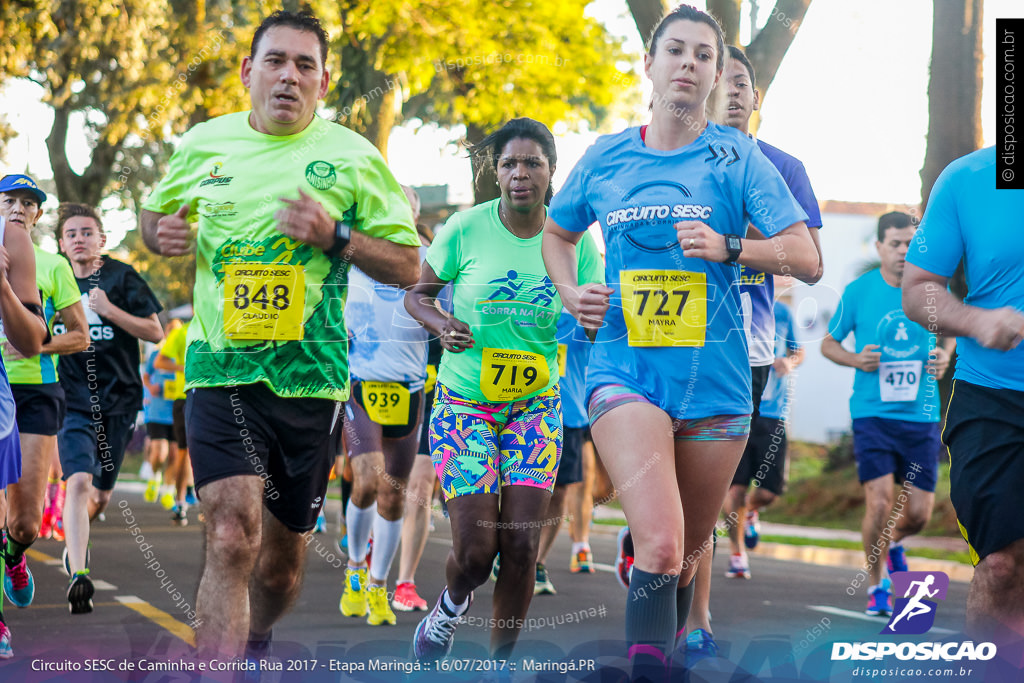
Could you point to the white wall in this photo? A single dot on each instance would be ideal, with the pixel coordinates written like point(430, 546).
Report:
point(820, 410)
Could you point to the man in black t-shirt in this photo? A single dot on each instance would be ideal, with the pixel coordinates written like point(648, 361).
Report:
point(102, 384)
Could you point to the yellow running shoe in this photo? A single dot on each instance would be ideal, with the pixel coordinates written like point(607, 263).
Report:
point(380, 610)
point(168, 501)
point(152, 489)
point(353, 599)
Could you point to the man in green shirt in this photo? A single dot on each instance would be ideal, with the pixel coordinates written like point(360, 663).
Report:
point(35, 386)
point(285, 202)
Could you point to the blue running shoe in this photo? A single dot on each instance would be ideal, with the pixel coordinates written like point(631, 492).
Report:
point(897, 560)
point(752, 530)
point(19, 587)
point(699, 645)
point(321, 523)
point(880, 601)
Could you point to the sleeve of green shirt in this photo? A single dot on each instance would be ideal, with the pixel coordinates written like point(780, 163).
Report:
point(589, 263)
point(65, 287)
point(173, 188)
point(382, 209)
point(444, 254)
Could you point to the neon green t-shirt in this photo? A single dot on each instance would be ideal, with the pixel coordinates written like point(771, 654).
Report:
point(58, 289)
point(174, 347)
point(503, 292)
point(268, 308)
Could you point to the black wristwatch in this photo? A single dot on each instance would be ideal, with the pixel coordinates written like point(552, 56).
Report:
point(342, 236)
point(734, 245)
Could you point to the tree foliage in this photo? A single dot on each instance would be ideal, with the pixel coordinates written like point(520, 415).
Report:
point(134, 72)
point(476, 63)
point(140, 72)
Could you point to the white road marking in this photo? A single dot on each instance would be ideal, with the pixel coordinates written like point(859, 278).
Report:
point(827, 609)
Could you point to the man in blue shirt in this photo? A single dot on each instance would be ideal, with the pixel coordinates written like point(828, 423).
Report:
point(968, 218)
point(894, 406)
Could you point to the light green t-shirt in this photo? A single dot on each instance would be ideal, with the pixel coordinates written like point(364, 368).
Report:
point(503, 292)
point(58, 289)
point(268, 308)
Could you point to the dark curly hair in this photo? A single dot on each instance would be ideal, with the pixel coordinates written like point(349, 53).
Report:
point(494, 144)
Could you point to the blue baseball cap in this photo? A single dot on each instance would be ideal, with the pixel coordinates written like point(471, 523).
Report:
point(18, 181)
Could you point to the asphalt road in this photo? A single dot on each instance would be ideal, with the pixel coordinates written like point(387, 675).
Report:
point(779, 626)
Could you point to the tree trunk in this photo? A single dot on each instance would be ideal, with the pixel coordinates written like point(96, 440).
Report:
point(727, 12)
point(646, 15)
point(767, 50)
point(380, 113)
point(954, 87)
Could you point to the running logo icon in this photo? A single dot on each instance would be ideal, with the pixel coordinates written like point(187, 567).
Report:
point(914, 613)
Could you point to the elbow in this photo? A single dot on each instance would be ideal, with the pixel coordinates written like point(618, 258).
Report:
point(806, 268)
point(80, 342)
point(409, 273)
point(816, 277)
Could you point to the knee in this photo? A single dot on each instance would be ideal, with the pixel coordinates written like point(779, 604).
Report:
point(664, 554)
point(915, 522)
point(364, 493)
point(877, 509)
point(391, 501)
point(233, 536)
point(1001, 571)
point(100, 499)
point(475, 558)
point(79, 483)
point(283, 579)
point(24, 527)
point(520, 547)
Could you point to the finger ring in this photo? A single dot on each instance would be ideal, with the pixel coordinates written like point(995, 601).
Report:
point(691, 243)
point(451, 333)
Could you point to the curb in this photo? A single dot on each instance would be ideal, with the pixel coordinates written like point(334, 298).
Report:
point(854, 559)
point(835, 557)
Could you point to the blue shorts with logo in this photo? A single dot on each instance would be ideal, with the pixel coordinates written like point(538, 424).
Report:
point(907, 450)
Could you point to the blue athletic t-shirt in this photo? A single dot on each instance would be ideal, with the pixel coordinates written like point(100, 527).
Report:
point(777, 391)
point(573, 354)
point(385, 343)
point(757, 289)
point(967, 217)
point(900, 389)
point(674, 332)
point(157, 409)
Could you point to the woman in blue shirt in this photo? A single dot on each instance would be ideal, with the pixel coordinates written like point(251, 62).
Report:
point(669, 380)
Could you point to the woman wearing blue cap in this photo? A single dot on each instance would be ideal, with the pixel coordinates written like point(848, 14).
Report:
point(21, 321)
